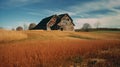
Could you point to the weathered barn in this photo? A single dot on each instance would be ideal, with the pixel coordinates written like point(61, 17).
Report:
point(56, 22)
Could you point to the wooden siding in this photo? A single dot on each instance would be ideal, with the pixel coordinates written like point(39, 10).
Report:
point(51, 22)
point(66, 24)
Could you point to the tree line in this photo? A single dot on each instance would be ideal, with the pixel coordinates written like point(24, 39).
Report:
point(25, 27)
point(86, 27)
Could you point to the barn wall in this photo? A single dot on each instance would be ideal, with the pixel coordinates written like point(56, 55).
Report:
point(51, 22)
point(66, 24)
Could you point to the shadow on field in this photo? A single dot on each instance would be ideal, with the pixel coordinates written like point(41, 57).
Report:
point(81, 37)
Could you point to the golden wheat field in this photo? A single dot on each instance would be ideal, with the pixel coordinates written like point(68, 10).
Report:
point(40, 48)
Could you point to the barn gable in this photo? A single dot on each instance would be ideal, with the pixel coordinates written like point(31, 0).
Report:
point(63, 15)
point(66, 22)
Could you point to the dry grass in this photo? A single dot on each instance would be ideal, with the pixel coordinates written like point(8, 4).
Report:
point(59, 49)
point(6, 36)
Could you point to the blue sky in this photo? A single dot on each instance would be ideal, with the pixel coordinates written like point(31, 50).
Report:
point(15, 13)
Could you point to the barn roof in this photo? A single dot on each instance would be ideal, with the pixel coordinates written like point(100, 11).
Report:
point(43, 22)
point(46, 20)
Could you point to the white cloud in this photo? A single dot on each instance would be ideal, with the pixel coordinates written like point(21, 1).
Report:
point(59, 11)
point(81, 9)
point(19, 23)
point(80, 21)
point(46, 12)
point(109, 22)
point(92, 6)
point(18, 3)
point(34, 13)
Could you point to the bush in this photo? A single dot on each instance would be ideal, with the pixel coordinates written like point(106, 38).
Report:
point(31, 26)
point(19, 28)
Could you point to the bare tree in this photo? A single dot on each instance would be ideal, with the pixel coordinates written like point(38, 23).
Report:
point(25, 26)
point(1, 27)
point(97, 24)
point(86, 27)
point(13, 29)
point(31, 26)
point(19, 28)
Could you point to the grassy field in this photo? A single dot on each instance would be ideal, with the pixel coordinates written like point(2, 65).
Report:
point(59, 49)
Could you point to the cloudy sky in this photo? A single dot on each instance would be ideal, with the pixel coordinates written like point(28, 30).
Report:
point(15, 13)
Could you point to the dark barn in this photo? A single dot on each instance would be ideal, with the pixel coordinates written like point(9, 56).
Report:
point(61, 22)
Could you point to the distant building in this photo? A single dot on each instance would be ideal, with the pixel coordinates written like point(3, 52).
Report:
point(56, 22)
